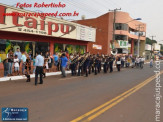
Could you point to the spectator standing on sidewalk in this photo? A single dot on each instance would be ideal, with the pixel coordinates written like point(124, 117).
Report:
point(55, 59)
point(64, 61)
point(19, 54)
point(10, 57)
point(141, 62)
point(23, 58)
point(151, 63)
point(133, 62)
point(16, 64)
point(6, 67)
point(122, 61)
point(34, 64)
point(39, 68)
point(137, 62)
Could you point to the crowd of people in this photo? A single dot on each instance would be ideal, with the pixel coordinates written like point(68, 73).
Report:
point(79, 64)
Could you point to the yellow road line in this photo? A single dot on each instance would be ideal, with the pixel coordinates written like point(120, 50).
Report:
point(122, 97)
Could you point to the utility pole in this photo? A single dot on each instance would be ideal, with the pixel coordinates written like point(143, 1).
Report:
point(139, 28)
point(151, 44)
point(114, 20)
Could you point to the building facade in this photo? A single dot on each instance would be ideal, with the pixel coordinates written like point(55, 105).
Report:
point(41, 33)
point(127, 33)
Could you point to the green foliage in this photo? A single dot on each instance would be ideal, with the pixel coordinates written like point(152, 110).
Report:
point(149, 41)
point(161, 49)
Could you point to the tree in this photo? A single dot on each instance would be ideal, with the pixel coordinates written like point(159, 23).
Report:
point(149, 41)
point(161, 49)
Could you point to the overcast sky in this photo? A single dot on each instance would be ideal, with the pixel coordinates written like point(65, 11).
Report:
point(151, 11)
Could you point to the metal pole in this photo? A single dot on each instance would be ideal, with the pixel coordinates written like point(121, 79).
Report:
point(151, 44)
point(138, 46)
point(114, 27)
point(138, 43)
point(114, 20)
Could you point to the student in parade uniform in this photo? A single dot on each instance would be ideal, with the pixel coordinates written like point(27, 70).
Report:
point(86, 64)
point(118, 63)
point(93, 65)
point(96, 63)
point(99, 64)
point(111, 63)
point(105, 64)
point(80, 67)
point(90, 64)
point(73, 64)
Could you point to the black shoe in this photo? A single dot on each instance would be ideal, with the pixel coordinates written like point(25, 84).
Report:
point(40, 83)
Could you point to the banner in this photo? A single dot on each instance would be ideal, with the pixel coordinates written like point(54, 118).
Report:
point(8, 46)
point(27, 49)
point(98, 47)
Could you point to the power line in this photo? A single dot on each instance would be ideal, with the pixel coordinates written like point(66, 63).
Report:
point(80, 7)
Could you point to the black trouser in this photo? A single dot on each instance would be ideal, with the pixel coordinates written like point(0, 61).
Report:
point(96, 70)
point(90, 69)
point(28, 77)
point(141, 65)
point(99, 68)
point(122, 63)
point(105, 68)
point(86, 70)
point(80, 70)
point(39, 71)
point(73, 72)
point(118, 67)
point(111, 67)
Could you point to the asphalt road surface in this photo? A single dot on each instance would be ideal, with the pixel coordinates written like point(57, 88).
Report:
point(111, 97)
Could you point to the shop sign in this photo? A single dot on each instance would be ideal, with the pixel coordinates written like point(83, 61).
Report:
point(86, 33)
point(35, 25)
point(98, 47)
point(147, 47)
point(156, 46)
point(47, 26)
point(123, 44)
point(125, 51)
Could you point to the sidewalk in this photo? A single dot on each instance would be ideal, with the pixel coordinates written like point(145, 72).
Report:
point(12, 78)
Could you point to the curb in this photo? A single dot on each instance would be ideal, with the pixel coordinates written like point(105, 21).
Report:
point(12, 78)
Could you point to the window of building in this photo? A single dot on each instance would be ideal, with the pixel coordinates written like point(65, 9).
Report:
point(121, 26)
point(120, 37)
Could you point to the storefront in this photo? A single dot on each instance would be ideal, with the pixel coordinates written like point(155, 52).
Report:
point(40, 33)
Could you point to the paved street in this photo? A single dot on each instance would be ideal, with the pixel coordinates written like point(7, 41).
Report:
point(66, 99)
